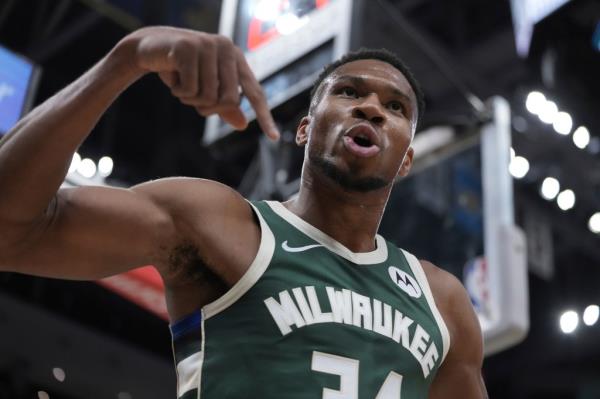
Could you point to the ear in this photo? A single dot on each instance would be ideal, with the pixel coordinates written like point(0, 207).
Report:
point(406, 163)
point(302, 131)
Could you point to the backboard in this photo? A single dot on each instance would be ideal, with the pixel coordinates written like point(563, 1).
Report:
point(286, 44)
point(456, 210)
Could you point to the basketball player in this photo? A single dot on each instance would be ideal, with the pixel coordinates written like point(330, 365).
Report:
point(300, 299)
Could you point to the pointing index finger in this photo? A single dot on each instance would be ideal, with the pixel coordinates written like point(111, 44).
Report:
point(255, 94)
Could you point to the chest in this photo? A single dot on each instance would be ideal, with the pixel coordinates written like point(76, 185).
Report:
point(318, 300)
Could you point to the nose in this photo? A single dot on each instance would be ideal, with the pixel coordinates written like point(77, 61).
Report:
point(370, 109)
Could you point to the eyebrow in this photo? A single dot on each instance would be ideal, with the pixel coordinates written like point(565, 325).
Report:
point(359, 81)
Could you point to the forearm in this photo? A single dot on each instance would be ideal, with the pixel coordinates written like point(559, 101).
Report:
point(36, 153)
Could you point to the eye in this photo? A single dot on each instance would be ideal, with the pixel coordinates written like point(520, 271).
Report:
point(396, 106)
point(348, 92)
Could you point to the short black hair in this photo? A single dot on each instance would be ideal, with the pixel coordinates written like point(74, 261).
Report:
point(381, 54)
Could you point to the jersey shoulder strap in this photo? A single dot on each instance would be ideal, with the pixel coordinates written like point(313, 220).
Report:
point(419, 274)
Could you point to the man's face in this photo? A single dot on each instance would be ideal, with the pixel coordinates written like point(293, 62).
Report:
point(360, 132)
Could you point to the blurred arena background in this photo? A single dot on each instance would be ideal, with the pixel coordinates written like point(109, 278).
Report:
point(110, 339)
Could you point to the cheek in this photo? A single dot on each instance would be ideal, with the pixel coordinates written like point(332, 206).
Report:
point(401, 137)
point(401, 144)
point(326, 127)
point(315, 145)
point(394, 162)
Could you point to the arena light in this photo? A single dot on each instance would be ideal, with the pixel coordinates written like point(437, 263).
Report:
point(59, 374)
point(569, 321)
point(43, 395)
point(266, 10)
point(513, 154)
point(591, 314)
point(562, 123)
point(548, 112)
point(518, 167)
point(535, 102)
point(581, 137)
point(594, 223)
point(74, 162)
point(566, 200)
point(105, 166)
point(87, 168)
point(550, 188)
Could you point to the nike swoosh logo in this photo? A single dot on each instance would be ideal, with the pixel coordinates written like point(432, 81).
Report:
point(287, 248)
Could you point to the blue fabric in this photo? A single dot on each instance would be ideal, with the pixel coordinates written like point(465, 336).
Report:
point(186, 324)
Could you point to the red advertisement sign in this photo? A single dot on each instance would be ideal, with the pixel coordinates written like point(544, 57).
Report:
point(142, 286)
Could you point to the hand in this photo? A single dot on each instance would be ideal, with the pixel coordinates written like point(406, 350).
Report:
point(204, 71)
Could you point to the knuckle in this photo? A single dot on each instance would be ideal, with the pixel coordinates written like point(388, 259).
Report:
point(184, 90)
point(224, 41)
point(183, 47)
point(230, 99)
point(209, 98)
point(180, 53)
point(209, 44)
point(256, 96)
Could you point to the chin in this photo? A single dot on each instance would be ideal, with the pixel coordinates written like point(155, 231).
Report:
point(347, 178)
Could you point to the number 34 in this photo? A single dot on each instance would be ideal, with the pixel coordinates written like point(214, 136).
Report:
point(347, 369)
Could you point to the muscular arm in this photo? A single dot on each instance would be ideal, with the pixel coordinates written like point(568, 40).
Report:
point(35, 154)
point(91, 232)
point(460, 375)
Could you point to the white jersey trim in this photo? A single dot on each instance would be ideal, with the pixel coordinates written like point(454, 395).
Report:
point(188, 373)
point(255, 271)
point(189, 370)
point(417, 269)
point(201, 361)
point(379, 255)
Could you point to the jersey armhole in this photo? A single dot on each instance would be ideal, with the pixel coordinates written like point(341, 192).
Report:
point(257, 268)
point(417, 269)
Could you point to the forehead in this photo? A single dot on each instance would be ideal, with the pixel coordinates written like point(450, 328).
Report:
point(375, 71)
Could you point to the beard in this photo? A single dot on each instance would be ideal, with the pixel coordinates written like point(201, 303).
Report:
point(347, 179)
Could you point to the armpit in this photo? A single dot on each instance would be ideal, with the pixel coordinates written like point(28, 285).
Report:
point(186, 265)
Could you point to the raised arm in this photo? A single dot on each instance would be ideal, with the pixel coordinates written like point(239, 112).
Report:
point(91, 232)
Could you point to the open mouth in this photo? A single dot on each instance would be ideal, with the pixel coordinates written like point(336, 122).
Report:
point(363, 135)
point(362, 141)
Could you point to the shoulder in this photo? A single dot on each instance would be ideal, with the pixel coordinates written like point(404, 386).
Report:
point(445, 287)
point(460, 374)
point(194, 204)
point(454, 304)
point(208, 216)
point(450, 295)
point(183, 193)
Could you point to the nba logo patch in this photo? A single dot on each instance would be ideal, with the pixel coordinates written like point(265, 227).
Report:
point(405, 282)
point(476, 281)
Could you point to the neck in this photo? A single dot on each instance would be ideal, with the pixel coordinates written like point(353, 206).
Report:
point(351, 218)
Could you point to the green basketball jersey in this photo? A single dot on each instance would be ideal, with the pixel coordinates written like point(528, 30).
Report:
point(312, 319)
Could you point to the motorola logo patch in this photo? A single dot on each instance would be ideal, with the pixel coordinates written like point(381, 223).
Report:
point(405, 282)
